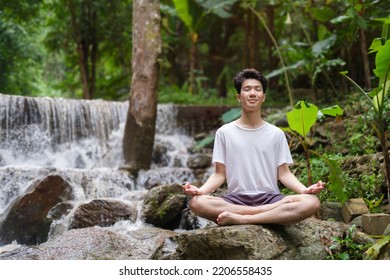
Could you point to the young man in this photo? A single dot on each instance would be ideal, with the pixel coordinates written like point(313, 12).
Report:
point(251, 155)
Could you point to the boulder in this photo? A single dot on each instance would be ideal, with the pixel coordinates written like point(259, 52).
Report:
point(102, 212)
point(163, 205)
point(330, 211)
point(307, 240)
point(375, 224)
point(199, 161)
point(352, 208)
point(26, 219)
point(95, 243)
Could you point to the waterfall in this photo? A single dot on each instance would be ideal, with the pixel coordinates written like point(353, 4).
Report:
point(64, 133)
point(82, 141)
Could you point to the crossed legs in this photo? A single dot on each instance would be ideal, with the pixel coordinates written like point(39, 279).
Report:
point(291, 209)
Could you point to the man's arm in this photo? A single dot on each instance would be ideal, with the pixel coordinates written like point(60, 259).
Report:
point(213, 182)
point(290, 181)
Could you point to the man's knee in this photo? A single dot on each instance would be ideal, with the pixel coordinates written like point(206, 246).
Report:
point(310, 204)
point(195, 203)
point(313, 203)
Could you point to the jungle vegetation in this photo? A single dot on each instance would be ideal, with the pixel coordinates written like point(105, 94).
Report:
point(324, 52)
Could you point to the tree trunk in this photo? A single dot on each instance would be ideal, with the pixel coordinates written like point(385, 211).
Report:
point(139, 131)
point(86, 43)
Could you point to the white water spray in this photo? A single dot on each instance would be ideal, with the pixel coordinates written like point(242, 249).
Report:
point(81, 140)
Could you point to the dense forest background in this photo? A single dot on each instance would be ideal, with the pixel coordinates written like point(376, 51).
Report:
point(325, 52)
point(82, 48)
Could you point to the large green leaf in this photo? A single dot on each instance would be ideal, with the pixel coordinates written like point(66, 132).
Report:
point(333, 111)
point(183, 11)
point(377, 95)
point(298, 64)
point(386, 27)
point(323, 14)
point(231, 115)
point(376, 45)
point(382, 60)
point(302, 117)
point(336, 180)
point(218, 7)
point(321, 47)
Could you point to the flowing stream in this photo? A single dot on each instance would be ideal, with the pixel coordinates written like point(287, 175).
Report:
point(82, 141)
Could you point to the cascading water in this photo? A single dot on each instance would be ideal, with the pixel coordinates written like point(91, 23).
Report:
point(63, 133)
point(81, 141)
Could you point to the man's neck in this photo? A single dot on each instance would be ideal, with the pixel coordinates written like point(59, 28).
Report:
point(251, 120)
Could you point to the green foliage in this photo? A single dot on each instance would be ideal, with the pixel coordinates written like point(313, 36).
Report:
point(226, 117)
point(346, 247)
point(218, 7)
point(207, 141)
point(373, 251)
point(177, 95)
point(104, 37)
point(361, 143)
point(364, 186)
point(337, 184)
point(324, 36)
point(301, 120)
point(378, 95)
point(304, 115)
point(345, 183)
point(231, 115)
point(374, 204)
point(183, 12)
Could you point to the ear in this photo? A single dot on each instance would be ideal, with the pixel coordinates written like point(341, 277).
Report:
point(264, 97)
point(238, 96)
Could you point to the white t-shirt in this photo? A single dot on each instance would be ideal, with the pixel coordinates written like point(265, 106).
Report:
point(251, 156)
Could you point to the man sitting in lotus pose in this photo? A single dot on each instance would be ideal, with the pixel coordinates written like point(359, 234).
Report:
point(251, 155)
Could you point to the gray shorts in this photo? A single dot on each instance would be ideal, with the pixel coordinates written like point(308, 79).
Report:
point(253, 199)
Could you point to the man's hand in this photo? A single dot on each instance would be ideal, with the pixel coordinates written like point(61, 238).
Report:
point(191, 190)
point(315, 188)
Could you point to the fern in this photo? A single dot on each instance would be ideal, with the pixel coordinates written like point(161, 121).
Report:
point(337, 183)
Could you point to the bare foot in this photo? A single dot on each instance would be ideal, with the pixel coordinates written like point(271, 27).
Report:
point(229, 218)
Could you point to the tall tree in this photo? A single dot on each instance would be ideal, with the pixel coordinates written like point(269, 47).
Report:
point(94, 45)
point(20, 54)
point(139, 131)
point(83, 19)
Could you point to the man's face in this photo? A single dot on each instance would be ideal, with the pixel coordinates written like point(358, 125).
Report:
point(251, 95)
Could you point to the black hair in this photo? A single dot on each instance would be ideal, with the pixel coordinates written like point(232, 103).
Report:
point(249, 73)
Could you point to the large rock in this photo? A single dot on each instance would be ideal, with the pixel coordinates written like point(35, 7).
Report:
point(95, 243)
point(375, 224)
point(26, 219)
point(352, 208)
point(330, 211)
point(305, 240)
point(309, 240)
point(163, 206)
point(102, 212)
